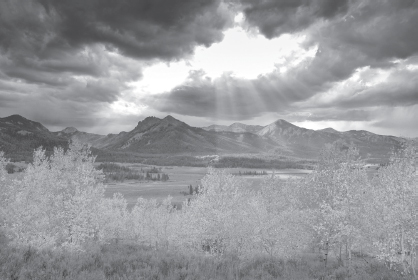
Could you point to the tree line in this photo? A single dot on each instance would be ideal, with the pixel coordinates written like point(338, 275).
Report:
point(116, 172)
point(251, 173)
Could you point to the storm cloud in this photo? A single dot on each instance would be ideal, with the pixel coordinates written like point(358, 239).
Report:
point(275, 17)
point(79, 59)
point(350, 36)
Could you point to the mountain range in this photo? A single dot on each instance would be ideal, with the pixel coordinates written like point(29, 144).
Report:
point(19, 136)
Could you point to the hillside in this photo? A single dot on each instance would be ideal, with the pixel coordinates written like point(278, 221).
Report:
point(169, 135)
point(20, 136)
point(96, 140)
point(306, 143)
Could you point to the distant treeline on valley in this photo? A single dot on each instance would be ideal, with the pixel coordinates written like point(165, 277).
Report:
point(116, 172)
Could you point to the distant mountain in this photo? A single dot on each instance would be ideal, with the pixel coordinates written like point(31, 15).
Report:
point(20, 136)
point(216, 127)
point(235, 127)
point(329, 130)
point(171, 136)
point(373, 145)
point(96, 140)
point(307, 143)
point(298, 141)
point(19, 122)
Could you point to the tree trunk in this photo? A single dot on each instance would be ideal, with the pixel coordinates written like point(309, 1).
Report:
point(349, 259)
point(413, 267)
point(413, 262)
point(326, 252)
point(405, 270)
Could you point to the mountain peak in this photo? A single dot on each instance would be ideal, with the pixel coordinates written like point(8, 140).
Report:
point(280, 127)
point(147, 123)
point(22, 122)
point(69, 130)
point(281, 122)
point(15, 118)
point(329, 130)
point(171, 119)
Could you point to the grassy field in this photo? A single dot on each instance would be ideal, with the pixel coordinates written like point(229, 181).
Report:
point(180, 179)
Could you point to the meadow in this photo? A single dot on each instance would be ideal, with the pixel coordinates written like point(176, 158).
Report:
point(180, 178)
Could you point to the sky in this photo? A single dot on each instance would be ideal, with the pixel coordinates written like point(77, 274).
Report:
point(103, 66)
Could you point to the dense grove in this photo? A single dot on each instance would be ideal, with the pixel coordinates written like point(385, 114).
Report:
point(337, 214)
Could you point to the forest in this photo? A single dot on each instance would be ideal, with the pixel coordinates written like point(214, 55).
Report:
point(335, 223)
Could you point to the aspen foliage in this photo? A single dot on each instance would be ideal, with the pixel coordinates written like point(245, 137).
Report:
point(394, 211)
point(56, 201)
point(114, 220)
point(153, 223)
point(281, 228)
point(332, 198)
point(216, 219)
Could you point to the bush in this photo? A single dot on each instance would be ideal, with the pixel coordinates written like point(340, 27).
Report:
point(130, 261)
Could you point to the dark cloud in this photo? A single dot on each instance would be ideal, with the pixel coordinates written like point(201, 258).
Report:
point(378, 29)
point(145, 29)
point(349, 35)
point(398, 89)
point(275, 17)
point(65, 62)
point(56, 113)
point(64, 47)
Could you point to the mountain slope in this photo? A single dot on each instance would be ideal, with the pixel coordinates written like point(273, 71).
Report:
point(307, 143)
point(298, 141)
point(169, 135)
point(96, 140)
point(20, 136)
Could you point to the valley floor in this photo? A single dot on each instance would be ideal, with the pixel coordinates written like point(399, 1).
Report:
point(180, 178)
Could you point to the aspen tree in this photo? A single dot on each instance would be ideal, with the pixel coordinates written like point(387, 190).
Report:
point(395, 212)
point(55, 203)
